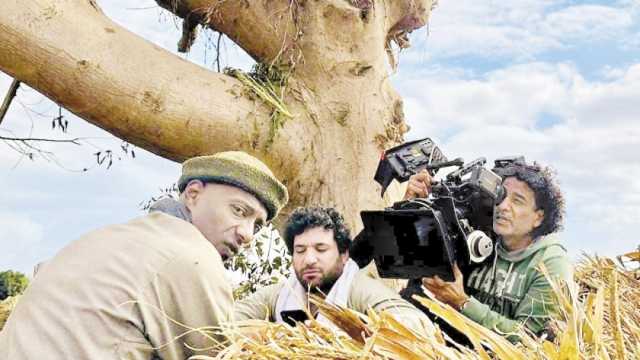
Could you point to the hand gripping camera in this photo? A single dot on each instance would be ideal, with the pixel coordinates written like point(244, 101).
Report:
point(426, 236)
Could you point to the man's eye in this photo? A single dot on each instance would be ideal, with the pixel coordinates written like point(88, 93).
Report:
point(299, 250)
point(321, 249)
point(237, 210)
point(257, 228)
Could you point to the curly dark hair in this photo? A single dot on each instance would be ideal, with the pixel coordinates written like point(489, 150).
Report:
point(303, 219)
point(549, 198)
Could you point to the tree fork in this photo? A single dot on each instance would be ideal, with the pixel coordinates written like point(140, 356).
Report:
point(260, 27)
point(344, 108)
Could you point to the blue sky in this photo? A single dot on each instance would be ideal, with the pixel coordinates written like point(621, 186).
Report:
point(556, 81)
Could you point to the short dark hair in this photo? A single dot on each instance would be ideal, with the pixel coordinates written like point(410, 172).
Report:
point(303, 219)
point(548, 197)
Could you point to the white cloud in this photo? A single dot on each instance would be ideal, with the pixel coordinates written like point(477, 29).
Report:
point(513, 96)
point(587, 22)
point(19, 238)
point(19, 228)
point(592, 141)
point(610, 102)
point(521, 29)
point(631, 42)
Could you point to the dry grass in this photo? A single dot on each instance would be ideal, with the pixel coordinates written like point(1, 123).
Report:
point(269, 85)
point(610, 300)
point(599, 320)
point(5, 309)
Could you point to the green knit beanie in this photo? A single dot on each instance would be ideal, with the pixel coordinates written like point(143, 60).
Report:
point(241, 170)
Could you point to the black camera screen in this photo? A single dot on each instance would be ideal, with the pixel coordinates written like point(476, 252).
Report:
point(408, 244)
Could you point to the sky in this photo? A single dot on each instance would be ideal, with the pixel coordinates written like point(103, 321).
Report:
point(556, 81)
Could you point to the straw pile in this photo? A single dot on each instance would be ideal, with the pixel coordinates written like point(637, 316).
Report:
point(600, 320)
point(5, 308)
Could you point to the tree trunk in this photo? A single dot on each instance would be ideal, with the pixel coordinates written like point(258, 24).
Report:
point(345, 111)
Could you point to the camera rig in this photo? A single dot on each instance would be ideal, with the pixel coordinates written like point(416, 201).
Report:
point(427, 236)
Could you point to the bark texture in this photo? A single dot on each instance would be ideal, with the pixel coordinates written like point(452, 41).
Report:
point(345, 111)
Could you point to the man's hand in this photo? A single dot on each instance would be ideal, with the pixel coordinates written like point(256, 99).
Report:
point(419, 185)
point(451, 293)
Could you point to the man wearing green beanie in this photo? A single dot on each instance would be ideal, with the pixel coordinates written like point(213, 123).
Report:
point(138, 290)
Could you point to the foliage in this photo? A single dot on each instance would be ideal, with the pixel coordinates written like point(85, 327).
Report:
point(34, 147)
point(264, 263)
point(169, 192)
point(12, 283)
point(6, 306)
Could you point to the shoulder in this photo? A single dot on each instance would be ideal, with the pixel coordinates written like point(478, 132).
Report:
point(555, 253)
point(185, 246)
point(266, 296)
point(166, 224)
point(556, 261)
point(549, 249)
point(196, 263)
point(559, 266)
point(259, 305)
point(269, 294)
point(368, 291)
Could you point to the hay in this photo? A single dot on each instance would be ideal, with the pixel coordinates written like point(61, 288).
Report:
point(269, 85)
point(6, 306)
point(376, 336)
point(612, 298)
point(598, 320)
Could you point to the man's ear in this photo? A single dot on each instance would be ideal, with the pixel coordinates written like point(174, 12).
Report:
point(539, 218)
point(344, 257)
point(192, 193)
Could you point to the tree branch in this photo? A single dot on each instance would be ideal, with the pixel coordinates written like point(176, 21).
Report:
point(218, 52)
point(83, 61)
point(11, 93)
point(74, 141)
point(261, 27)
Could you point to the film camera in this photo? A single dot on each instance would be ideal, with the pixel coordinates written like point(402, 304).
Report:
point(426, 236)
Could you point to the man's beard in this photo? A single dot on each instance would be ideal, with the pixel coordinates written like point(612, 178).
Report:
point(326, 282)
point(325, 285)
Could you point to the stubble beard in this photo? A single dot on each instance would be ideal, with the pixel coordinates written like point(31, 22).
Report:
point(323, 287)
point(326, 281)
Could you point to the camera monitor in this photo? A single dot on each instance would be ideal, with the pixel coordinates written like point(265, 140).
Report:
point(409, 244)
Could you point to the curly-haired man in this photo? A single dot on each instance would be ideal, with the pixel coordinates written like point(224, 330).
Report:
point(509, 290)
point(319, 243)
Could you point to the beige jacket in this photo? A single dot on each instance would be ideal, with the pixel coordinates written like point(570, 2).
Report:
point(112, 295)
point(365, 293)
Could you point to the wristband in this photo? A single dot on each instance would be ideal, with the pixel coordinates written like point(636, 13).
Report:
point(464, 304)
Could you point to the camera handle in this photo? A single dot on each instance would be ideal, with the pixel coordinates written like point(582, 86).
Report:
point(459, 162)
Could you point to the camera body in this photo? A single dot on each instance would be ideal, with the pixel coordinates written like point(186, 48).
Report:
point(427, 236)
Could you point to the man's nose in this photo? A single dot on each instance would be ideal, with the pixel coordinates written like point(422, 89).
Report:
point(503, 205)
point(310, 258)
point(245, 232)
